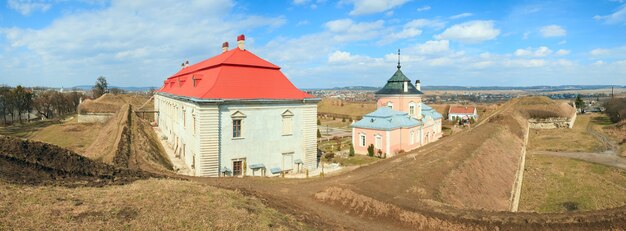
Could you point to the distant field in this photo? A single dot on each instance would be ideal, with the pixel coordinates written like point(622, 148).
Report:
point(577, 139)
point(143, 205)
point(559, 184)
point(334, 106)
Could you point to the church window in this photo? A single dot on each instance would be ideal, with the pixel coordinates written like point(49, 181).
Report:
point(379, 142)
point(287, 123)
point(362, 140)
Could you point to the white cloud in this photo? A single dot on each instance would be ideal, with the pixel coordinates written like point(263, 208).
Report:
point(129, 41)
point(562, 42)
point(539, 52)
point(433, 47)
point(339, 57)
point(300, 2)
point(348, 30)
point(419, 23)
point(423, 8)
point(462, 15)
point(562, 52)
point(619, 16)
point(25, 7)
point(362, 7)
point(553, 31)
point(411, 29)
point(599, 52)
point(526, 62)
point(471, 32)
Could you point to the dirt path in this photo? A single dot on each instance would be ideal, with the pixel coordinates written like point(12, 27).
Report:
point(610, 146)
point(609, 159)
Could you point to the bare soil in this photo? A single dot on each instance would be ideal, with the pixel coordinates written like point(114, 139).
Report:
point(36, 163)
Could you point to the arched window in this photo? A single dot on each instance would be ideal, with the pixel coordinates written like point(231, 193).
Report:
point(412, 108)
point(390, 104)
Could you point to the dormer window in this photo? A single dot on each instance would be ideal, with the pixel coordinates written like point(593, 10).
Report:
point(196, 79)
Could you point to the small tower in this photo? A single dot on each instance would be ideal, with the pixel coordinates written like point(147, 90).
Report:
point(400, 94)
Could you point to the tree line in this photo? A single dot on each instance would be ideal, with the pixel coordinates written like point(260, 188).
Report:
point(47, 104)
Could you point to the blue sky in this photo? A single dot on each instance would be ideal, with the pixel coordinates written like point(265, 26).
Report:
point(318, 43)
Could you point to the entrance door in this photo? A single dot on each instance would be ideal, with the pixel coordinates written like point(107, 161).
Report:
point(237, 167)
point(287, 161)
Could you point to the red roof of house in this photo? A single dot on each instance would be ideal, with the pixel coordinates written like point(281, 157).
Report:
point(235, 74)
point(461, 110)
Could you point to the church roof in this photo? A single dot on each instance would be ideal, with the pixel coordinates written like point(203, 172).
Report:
point(234, 74)
point(395, 84)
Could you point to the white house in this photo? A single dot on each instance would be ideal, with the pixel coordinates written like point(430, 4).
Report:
point(236, 113)
point(462, 112)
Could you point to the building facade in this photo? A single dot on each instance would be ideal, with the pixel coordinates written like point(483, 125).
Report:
point(236, 114)
point(401, 121)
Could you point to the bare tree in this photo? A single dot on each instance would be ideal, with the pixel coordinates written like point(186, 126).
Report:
point(100, 88)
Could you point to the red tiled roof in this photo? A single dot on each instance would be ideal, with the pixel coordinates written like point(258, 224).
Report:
point(235, 74)
point(461, 110)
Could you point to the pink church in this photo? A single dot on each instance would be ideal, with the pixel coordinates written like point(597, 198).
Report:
point(401, 121)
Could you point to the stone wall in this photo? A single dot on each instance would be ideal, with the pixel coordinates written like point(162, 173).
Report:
point(551, 123)
point(94, 117)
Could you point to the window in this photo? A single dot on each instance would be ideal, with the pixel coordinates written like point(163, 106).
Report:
point(238, 118)
point(184, 118)
point(411, 110)
point(379, 142)
point(236, 128)
point(390, 104)
point(362, 140)
point(193, 121)
point(287, 123)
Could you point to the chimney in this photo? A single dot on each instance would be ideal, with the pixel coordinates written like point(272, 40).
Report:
point(224, 47)
point(406, 86)
point(240, 41)
point(417, 85)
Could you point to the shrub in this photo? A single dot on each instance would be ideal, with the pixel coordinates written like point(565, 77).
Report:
point(380, 153)
point(370, 150)
point(351, 150)
point(319, 134)
point(329, 156)
point(616, 109)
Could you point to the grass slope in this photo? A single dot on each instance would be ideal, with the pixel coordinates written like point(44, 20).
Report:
point(143, 205)
point(559, 184)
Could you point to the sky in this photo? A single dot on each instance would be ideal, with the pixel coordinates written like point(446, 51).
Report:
point(318, 43)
